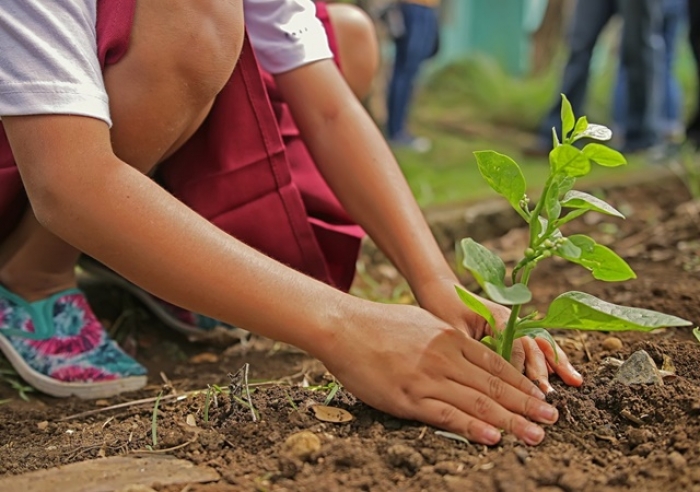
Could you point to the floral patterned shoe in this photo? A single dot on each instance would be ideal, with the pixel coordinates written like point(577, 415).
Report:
point(196, 327)
point(58, 346)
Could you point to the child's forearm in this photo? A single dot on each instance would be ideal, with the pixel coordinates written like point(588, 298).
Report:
point(109, 210)
point(357, 163)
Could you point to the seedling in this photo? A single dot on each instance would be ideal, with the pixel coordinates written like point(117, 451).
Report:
point(331, 394)
point(559, 204)
point(154, 422)
point(696, 334)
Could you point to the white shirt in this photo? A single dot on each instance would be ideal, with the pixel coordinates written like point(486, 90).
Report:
point(48, 51)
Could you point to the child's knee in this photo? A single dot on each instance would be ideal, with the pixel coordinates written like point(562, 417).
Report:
point(357, 44)
point(181, 54)
point(206, 38)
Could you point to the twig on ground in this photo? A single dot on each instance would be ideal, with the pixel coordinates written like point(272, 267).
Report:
point(148, 401)
point(167, 450)
point(239, 382)
point(585, 345)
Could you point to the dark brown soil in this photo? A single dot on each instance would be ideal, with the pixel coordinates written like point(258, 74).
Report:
point(609, 437)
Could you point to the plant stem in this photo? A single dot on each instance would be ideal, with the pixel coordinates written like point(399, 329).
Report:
point(509, 332)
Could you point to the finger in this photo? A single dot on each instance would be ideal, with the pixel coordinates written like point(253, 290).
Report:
point(560, 363)
point(536, 365)
point(487, 360)
point(480, 384)
point(485, 409)
point(549, 368)
point(445, 416)
point(517, 357)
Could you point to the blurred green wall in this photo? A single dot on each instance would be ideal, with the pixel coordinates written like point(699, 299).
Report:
point(498, 28)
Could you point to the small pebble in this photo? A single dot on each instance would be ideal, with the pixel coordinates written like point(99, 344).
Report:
point(638, 369)
point(612, 344)
point(204, 358)
point(677, 461)
point(302, 445)
point(42, 425)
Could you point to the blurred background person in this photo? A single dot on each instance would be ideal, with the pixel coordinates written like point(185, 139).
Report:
point(417, 39)
point(641, 24)
point(670, 96)
point(693, 129)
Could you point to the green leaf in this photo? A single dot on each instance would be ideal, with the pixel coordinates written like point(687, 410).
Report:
point(503, 175)
point(490, 342)
point(555, 139)
point(570, 161)
point(538, 333)
point(490, 271)
point(595, 132)
point(602, 262)
point(580, 127)
point(696, 333)
point(569, 251)
point(516, 294)
point(552, 206)
point(568, 119)
point(476, 305)
point(605, 156)
point(580, 311)
point(539, 227)
point(564, 182)
point(485, 266)
point(584, 201)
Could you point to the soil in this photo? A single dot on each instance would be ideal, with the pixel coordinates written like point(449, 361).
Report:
point(609, 438)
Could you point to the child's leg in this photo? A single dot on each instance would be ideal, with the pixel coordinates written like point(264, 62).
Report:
point(152, 117)
point(358, 49)
point(37, 263)
point(160, 92)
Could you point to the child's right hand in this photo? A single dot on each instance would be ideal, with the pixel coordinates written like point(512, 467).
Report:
point(405, 361)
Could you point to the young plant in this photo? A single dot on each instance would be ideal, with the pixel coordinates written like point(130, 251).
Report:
point(559, 204)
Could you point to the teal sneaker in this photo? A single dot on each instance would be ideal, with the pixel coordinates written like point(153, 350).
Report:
point(196, 327)
point(59, 347)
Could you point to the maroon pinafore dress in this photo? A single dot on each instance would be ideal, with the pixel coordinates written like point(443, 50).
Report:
point(246, 169)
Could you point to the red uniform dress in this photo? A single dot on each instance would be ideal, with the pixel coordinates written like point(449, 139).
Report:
point(246, 169)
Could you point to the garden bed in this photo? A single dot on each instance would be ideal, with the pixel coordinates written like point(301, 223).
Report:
point(609, 436)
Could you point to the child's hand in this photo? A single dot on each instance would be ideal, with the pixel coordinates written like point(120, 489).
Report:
point(535, 358)
point(405, 361)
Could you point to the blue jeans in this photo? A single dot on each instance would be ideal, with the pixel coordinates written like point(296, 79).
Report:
point(413, 48)
point(671, 103)
point(641, 19)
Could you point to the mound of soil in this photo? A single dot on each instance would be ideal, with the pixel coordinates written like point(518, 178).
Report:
point(610, 437)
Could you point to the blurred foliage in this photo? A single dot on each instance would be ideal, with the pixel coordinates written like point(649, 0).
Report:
point(474, 105)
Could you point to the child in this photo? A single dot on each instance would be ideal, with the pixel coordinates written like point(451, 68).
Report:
point(162, 74)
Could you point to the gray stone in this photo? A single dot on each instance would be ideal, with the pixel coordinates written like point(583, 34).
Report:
point(640, 368)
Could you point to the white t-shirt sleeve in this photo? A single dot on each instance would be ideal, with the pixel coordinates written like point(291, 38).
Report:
point(285, 34)
point(48, 59)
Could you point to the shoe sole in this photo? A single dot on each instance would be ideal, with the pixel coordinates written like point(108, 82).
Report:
point(92, 272)
point(60, 389)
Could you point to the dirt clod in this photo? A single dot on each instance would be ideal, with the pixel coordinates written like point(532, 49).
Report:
point(612, 344)
point(402, 456)
point(302, 445)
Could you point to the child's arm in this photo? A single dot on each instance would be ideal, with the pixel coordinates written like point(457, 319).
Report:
point(357, 163)
point(400, 359)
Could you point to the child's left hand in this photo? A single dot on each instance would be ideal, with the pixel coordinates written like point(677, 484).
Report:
point(535, 357)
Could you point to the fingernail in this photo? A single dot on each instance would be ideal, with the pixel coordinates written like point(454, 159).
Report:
point(548, 413)
point(575, 372)
point(491, 436)
point(548, 388)
point(534, 435)
point(537, 393)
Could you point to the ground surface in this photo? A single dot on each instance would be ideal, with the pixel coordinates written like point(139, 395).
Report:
point(609, 437)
